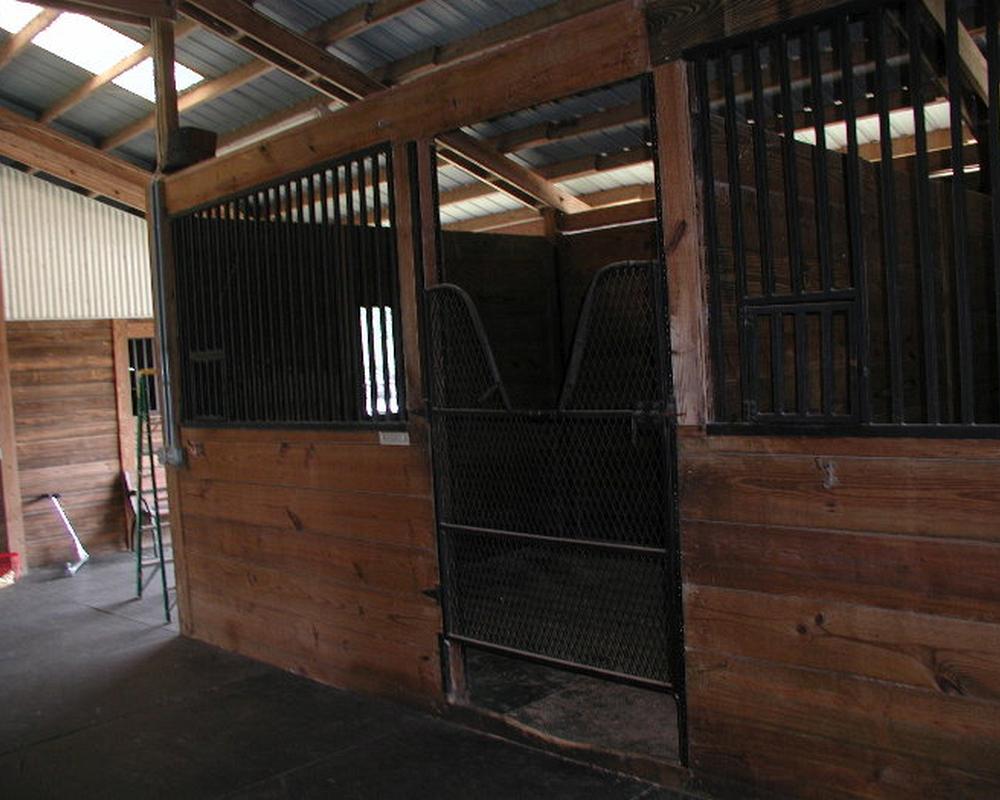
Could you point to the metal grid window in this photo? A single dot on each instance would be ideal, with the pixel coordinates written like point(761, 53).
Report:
point(288, 299)
point(849, 166)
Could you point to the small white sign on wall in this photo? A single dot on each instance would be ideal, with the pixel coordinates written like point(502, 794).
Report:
point(394, 438)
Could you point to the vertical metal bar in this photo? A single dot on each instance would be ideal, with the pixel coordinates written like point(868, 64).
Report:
point(327, 299)
point(736, 208)
point(801, 364)
point(711, 233)
point(859, 278)
point(826, 361)
point(331, 182)
point(241, 308)
point(395, 289)
point(790, 167)
point(993, 79)
point(761, 172)
point(343, 277)
point(962, 285)
point(821, 180)
point(314, 365)
point(925, 246)
point(888, 217)
point(381, 262)
point(269, 300)
point(356, 296)
point(777, 362)
point(369, 268)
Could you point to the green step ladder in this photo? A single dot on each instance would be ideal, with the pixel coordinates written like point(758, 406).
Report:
point(146, 499)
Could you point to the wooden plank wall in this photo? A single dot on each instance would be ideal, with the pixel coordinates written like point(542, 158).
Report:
point(842, 603)
point(66, 426)
point(312, 550)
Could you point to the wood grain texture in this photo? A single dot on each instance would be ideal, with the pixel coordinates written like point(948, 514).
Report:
point(842, 615)
point(313, 550)
point(66, 417)
point(604, 46)
point(12, 534)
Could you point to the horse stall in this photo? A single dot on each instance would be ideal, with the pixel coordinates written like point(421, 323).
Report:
point(646, 412)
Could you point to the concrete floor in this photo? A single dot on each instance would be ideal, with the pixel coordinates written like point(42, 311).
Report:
point(100, 699)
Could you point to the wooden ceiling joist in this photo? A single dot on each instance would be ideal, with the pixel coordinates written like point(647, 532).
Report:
point(339, 80)
point(479, 44)
point(600, 47)
point(91, 85)
point(10, 49)
point(972, 57)
point(360, 18)
point(47, 150)
point(133, 12)
point(547, 132)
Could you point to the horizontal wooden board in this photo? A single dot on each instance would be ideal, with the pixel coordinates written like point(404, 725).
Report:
point(196, 436)
point(411, 619)
point(946, 730)
point(370, 565)
point(317, 650)
point(940, 576)
point(898, 495)
point(693, 441)
point(77, 376)
point(729, 752)
point(394, 519)
point(939, 654)
point(315, 465)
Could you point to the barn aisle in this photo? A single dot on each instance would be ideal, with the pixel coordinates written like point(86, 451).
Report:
point(100, 699)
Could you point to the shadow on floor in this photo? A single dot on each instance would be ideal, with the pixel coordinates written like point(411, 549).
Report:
point(102, 700)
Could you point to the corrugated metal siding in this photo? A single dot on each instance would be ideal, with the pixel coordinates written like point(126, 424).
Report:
point(66, 256)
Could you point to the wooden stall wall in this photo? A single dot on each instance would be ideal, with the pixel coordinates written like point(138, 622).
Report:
point(313, 551)
point(66, 427)
point(842, 602)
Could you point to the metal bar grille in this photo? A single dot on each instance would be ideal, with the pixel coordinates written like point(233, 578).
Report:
point(288, 301)
point(855, 281)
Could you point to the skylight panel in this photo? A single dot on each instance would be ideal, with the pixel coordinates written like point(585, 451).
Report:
point(85, 42)
point(139, 79)
point(15, 15)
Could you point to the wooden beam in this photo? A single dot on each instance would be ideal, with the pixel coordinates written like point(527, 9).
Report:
point(196, 95)
point(284, 44)
point(167, 115)
point(478, 44)
point(10, 49)
point(436, 57)
point(611, 216)
point(39, 146)
point(677, 25)
point(682, 246)
point(136, 12)
point(91, 85)
point(360, 18)
point(290, 52)
point(498, 165)
point(906, 146)
point(619, 196)
point(298, 114)
point(972, 57)
point(548, 132)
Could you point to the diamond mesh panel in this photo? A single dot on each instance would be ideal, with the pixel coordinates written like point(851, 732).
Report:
point(591, 606)
point(463, 370)
point(599, 478)
point(596, 470)
point(615, 362)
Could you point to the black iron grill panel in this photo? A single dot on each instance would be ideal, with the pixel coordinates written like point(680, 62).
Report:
point(812, 196)
point(288, 301)
point(600, 607)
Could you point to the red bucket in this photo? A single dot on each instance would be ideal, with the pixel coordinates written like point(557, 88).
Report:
point(10, 568)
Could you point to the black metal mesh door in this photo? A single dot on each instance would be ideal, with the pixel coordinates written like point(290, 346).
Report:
point(556, 525)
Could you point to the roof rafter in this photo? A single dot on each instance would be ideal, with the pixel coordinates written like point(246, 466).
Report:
point(306, 61)
point(436, 57)
point(16, 43)
point(91, 85)
point(48, 150)
point(132, 12)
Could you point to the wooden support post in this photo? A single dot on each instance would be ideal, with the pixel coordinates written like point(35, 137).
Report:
point(682, 244)
point(10, 481)
point(409, 284)
point(426, 176)
point(167, 115)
